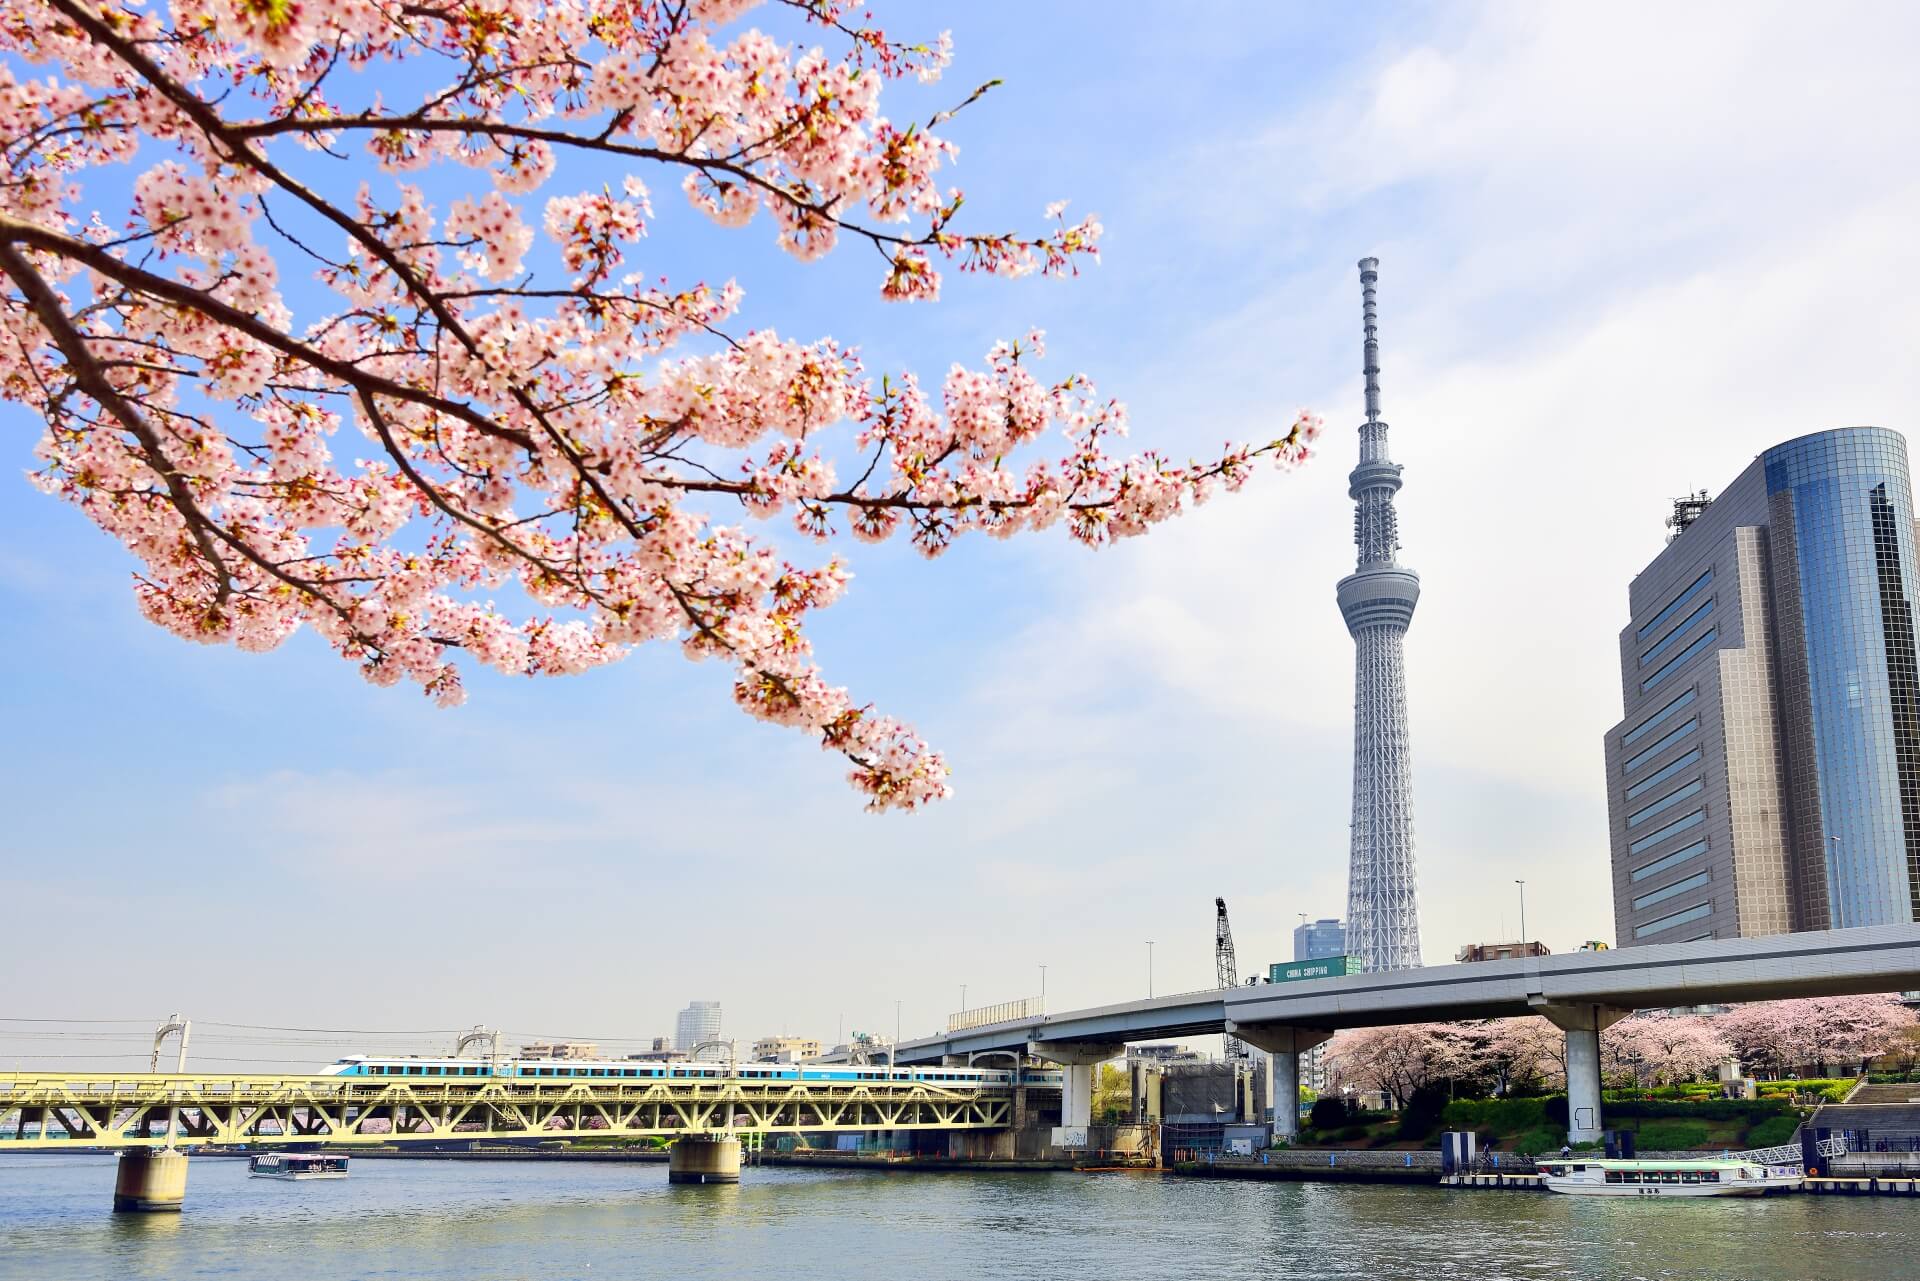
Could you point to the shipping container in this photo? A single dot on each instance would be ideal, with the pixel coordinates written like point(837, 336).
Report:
point(1326, 967)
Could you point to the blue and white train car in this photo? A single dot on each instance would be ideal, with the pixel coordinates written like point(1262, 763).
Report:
point(367, 1065)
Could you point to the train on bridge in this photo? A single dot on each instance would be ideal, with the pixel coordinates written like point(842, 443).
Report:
point(390, 1068)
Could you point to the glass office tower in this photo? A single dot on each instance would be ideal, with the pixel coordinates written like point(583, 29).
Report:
point(1842, 504)
point(1766, 775)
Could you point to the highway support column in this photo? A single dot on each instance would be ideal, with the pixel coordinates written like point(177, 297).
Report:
point(704, 1158)
point(1284, 1044)
point(1077, 1060)
point(1583, 1025)
point(150, 1181)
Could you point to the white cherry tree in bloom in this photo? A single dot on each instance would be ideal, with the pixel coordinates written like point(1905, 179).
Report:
point(576, 441)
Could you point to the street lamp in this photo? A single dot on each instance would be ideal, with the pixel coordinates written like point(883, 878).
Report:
point(1149, 969)
point(1523, 914)
point(963, 998)
point(893, 1059)
point(1043, 987)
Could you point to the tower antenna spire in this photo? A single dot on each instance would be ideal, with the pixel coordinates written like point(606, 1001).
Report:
point(1370, 320)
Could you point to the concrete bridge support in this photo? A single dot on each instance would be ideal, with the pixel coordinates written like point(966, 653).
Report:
point(1077, 1060)
point(1583, 1025)
point(150, 1181)
point(1284, 1045)
point(708, 1158)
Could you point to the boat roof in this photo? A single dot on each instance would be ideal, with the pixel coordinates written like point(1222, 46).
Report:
point(1620, 1163)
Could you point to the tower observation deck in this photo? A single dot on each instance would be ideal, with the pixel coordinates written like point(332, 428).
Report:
point(1377, 600)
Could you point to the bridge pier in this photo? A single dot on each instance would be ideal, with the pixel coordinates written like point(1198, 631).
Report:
point(150, 1182)
point(708, 1158)
point(1583, 1025)
point(1077, 1059)
point(1284, 1045)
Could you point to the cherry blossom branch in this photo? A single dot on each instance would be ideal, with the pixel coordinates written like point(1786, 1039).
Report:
point(542, 437)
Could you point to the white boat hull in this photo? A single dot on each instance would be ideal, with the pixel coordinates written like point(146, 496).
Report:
point(1573, 1188)
point(301, 1177)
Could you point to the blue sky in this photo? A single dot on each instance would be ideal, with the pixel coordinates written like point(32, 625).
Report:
point(1622, 252)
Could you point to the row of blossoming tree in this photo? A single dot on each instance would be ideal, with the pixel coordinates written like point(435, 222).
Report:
point(1507, 1056)
point(472, 432)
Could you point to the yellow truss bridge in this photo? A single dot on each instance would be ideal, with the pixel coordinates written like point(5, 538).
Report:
point(42, 1110)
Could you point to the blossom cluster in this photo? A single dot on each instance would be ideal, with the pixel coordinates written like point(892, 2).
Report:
point(464, 463)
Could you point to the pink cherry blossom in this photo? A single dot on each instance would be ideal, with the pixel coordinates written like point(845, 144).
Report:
point(465, 459)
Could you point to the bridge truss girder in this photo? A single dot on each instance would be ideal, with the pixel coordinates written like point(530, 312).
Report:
point(75, 1111)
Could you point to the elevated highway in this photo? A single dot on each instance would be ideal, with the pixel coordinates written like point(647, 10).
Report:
point(1582, 993)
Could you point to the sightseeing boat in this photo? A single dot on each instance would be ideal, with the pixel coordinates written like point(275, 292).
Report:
point(1604, 1177)
point(297, 1165)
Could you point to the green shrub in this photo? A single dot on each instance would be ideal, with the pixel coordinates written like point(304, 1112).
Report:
point(1772, 1132)
point(1350, 1133)
point(1751, 1111)
point(1829, 1088)
point(1500, 1116)
point(1423, 1111)
point(1543, 1140)
point(1329, 1113)
point(1668, 1136)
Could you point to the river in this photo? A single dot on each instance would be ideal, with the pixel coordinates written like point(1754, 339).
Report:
point(474, 1221)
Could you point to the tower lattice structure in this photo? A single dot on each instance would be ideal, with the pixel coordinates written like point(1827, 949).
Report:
point(1377, 600)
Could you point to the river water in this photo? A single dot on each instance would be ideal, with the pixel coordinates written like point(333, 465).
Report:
point(474, 1221)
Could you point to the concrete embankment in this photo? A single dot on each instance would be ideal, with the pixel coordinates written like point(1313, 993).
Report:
point(1298, 1165)
point(885, 1164)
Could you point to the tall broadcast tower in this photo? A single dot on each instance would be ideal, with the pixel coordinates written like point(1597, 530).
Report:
point(1377, 600)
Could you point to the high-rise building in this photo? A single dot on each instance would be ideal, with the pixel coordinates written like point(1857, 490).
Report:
point(1377, 600)
point(1318, 939)
point(1766, 775)
point(697, 1024)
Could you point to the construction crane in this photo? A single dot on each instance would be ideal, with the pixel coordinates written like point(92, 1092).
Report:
point(1228, 972)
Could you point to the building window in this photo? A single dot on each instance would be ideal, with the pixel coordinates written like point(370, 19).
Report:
point(1903, 677)
point(1693, 882)
point(1666, 642)
point(1641, 730)
point(1680, 660)
point(1693, 913)
point(1699, 585)
point(1666, 861)
point(1652, 839)
point(1671, 798)
point(1666, 741)
point(1662, 774)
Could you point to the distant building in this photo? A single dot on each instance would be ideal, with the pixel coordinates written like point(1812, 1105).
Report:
point(696, 1025)
point(662, 1052)
point(785, 1049)
point(1766, 774)
point(861, 1047)
point(560, 1050)
point(1165, 1054)
point(1320, 939)
point(1499, 951)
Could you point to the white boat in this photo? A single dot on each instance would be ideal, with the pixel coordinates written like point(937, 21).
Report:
point(297, 1165)
point(1603, 1177)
